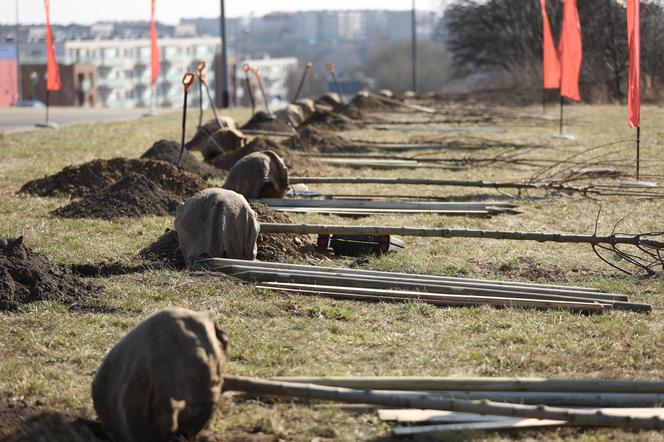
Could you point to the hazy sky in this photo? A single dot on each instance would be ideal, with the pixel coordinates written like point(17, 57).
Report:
point(170, 11)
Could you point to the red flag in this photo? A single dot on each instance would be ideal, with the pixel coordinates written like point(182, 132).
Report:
point(154, 47)
point(550, 58)
point(571, 52)
point(634, 83)
point(52, 71)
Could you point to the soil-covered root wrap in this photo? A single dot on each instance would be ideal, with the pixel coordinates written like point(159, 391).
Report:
point(162, 381)
point(329, 99)
point(223, 140)
point(259, 175)
point(216, 223)
point(291, 115)
point(307, 106)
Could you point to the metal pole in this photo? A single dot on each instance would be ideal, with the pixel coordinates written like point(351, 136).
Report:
point(414, 46)
point(48, 100)
point(18, 58)
point(561, 114)
point(638, 152)
point(224, 60)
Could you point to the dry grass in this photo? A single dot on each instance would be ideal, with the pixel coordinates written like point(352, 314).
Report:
point(48, 353)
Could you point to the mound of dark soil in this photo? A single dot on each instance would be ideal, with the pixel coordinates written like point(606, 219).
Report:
point(370, 102)
point(311, 138)
point(262, 121)
point(93, 176)
point(26, 276)
point(278, 247)
point(133, 196)
point(295, 162)
point(202, 134)
point(169, 151)
point(271, 247)
point(165, 249)
point(332, 121)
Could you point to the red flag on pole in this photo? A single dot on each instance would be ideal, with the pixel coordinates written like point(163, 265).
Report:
point(52, 71)
point(154, 47)
point(634, 43)
point(551, 67)
point(571, 52)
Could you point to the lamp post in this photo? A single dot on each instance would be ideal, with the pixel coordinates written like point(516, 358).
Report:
point(414, 46)
point(18, 58)
point(225, 102)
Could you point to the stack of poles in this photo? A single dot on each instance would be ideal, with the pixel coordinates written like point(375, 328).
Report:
point(424, 400)
point(366, 285)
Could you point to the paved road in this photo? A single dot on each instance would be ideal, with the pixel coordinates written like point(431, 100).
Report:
point(15, 119)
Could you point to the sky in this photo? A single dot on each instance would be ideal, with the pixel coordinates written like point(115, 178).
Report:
point(170, 11)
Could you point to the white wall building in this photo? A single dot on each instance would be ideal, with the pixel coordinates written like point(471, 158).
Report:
point(123, 66)
point(274, 72)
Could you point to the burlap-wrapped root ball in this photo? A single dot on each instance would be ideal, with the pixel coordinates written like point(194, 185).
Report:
point(163, 380)
point(216, 223)
point(259, 175)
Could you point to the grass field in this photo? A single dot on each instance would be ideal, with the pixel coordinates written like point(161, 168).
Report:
point(49, 354)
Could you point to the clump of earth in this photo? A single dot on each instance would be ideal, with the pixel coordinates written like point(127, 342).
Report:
point(262, 121)
point(169, 151)
point(27, 276)
point(96, 175)
point(133, 196)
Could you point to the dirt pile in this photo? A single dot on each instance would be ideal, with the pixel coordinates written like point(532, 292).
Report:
point(370, 102)
point(165, 249)
point(169, 151)
point(202, 134)
point(296, 163)
point(311, 138)
point(133, 196)
point(278, 247)
point(271, 247)
point(26, 276)
point(332, 121)
point(262, 121)
point(96, 175)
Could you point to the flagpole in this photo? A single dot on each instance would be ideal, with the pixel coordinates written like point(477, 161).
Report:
point(561, 115)
point(638, 152)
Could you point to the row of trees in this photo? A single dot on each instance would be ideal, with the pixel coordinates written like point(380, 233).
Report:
point(503, 40)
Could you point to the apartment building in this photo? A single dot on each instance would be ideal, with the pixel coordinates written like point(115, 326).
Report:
point(123, 66)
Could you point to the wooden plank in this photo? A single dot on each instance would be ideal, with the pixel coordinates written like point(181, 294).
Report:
point(370, 212)
point(439, 299)
point(503, 424)
point(437, 416)
point(258, 274)
point(363, 204)
point(395, 275)
point(428, 416)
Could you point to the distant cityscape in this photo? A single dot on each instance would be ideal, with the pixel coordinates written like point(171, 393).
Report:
point(108, 62)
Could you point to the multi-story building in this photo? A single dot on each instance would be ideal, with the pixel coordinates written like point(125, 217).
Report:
point(274, 73)
point(123, 66)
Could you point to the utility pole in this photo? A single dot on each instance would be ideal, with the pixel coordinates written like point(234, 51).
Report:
point(225, 102)
point(18, 58)
point(414, 46)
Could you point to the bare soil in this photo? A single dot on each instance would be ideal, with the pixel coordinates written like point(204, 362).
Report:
point(96, 175)
point(293, 161)
point(169, 151)
point(331, 121)
point(311, 138)
point(262, 121)
point(133, 196)
point(26, 276)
